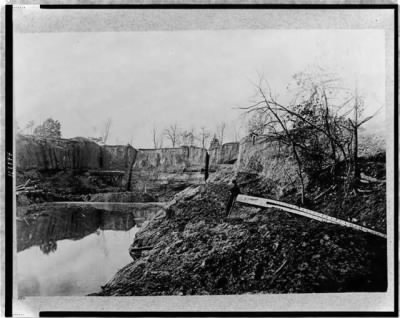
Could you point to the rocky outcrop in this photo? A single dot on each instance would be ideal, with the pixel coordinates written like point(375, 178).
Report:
point(225, 154)
point(163, 172)
point(274, 161)
point(167, 169)
point(117, 157)
point(44, 154)
point(76, 165)
point(170, 159)
point(157, 172)
point(267, 158)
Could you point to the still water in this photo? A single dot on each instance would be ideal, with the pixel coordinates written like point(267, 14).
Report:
point(72, 251)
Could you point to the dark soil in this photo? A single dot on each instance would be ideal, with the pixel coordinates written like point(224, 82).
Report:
point(198, 252)
point(367, 209)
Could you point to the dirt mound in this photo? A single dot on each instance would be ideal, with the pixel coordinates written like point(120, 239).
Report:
point(197, 251)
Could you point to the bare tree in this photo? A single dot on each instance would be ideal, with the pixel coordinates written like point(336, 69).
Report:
point(155, 143)
point(341, 123)
point(214, 142)
point(313, 128)
point(355, 123)
point(172, 133)
point(192, 137)
point(29, 127)
point(157, 138)
point(256, 123)
point(105, 130)
point(204, 136)
point(130, 142)
point(280, 124)
point(236, 132)
point(18, 128)
point(188, 137)
point(220, 132)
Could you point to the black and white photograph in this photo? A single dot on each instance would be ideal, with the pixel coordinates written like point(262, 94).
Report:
point(205, 154)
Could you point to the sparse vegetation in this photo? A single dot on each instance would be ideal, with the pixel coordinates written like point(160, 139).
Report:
point(315, 125)
point(50, 128)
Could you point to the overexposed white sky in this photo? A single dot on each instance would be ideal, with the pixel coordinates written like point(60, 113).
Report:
point(192, 78)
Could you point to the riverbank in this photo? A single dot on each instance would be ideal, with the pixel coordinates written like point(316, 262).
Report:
point(197, 251)
point(189, 247)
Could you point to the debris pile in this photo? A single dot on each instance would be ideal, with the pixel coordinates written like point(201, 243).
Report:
point(197, 251)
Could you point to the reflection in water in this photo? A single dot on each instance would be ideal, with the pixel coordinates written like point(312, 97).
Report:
point(47, 247)
point(58, 223)
point(72, 251)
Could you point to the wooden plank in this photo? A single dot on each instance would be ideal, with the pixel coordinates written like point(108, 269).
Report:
point(268, 203)
point(252, 200)
point(139, 249)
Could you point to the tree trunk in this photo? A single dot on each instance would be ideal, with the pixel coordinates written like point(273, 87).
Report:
point(356, 167)
point(299, 172)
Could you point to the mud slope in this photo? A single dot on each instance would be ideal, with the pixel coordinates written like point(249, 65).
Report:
point(197, 252)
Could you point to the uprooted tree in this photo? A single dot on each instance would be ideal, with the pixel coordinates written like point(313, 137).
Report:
point(319, 126)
